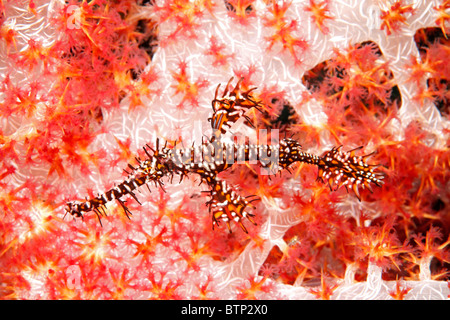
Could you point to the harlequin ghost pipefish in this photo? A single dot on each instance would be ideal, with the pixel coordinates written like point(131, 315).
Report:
point(337, 168)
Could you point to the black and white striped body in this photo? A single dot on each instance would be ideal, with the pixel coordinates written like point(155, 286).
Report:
point(149, 170)
point(336, 167)
point(231, 107)
point(98, 203)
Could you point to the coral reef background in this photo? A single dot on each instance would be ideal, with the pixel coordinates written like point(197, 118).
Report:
point(85, 84)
